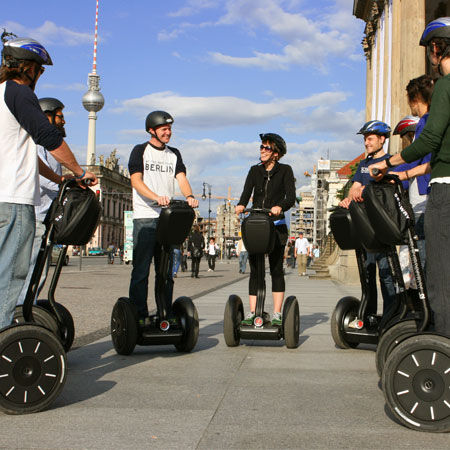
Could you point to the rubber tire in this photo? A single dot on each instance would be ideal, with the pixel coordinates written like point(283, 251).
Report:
point(291, 322)
point(346, 306)
point(422, 346)
point(232, 318)
point(124, 326)
point(185, 310)
point(391, 338)
point(67, 333)
point(35, 351)
point(41, 317)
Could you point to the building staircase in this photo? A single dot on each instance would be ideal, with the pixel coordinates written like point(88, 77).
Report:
point(320, 266)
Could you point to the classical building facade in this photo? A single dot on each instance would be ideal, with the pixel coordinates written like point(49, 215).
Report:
point(393, 55)
point(114, 192)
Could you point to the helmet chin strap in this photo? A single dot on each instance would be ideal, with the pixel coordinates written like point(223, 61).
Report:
point(157, 138)
point(375, 152)
point(32, 80)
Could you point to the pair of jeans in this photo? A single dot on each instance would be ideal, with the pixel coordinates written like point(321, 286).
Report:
point(386, 281)
point(145, 247)
point(176, 260)
point(195, 267)
point(17, 228)
point(437, 233)
point(243, 261)
point(37, 242)
point(212, 262)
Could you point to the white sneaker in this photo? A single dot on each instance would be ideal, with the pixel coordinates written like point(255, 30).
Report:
point(304, 273)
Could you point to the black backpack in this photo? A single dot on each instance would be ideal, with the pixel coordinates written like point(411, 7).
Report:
point(74, 213)
point(389, 211)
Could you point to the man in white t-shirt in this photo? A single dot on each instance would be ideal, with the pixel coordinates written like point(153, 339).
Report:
point(301, 253)
point(154, 167)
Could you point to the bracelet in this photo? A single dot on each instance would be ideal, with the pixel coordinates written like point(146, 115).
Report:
point(190, 196)
point(81, 176)
point(407, 175)
point(388, 162)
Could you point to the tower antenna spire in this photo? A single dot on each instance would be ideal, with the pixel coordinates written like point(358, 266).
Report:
point(94, 63)
point(93, 100)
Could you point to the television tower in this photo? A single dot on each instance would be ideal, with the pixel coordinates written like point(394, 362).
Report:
point(93, 100)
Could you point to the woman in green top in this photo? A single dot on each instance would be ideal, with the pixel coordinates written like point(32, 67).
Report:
point(435, 138)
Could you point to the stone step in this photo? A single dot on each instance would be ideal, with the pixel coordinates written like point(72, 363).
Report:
point(320, 277)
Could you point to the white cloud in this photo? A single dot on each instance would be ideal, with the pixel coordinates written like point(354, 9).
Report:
point(50, 33)
point(78, 87)
point(218, 112)
point(308, 41)
point(193, 7)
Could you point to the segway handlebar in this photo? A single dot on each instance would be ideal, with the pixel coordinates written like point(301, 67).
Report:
point(171, 202)
point(258, 210)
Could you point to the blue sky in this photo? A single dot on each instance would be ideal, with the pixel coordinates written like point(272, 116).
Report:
point(226, 70)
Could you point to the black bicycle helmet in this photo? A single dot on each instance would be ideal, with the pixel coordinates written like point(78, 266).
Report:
point(439, 28)
point(277, 140)
point(50, 105)
point(24, 49)
point(376, 127)
point(157, 118)
point(406, 125)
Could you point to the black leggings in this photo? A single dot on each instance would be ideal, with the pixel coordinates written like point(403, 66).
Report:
point(276, 269)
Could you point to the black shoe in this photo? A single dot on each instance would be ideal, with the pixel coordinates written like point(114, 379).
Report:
point(196, 276)
point(192, 275)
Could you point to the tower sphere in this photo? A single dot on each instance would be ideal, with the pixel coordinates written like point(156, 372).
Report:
point(93, 101)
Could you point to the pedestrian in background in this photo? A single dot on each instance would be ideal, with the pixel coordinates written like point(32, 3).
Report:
point(196, 246)
point(243, 255)
point(301, 253)
point(212, 254)
point(176, 255)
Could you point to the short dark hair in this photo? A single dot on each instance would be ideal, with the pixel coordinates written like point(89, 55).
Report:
point(420, 88)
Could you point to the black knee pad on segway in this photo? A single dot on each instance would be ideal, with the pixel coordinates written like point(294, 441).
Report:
point(344, 230)
point(389, 212)
point(258, 234)
point(174, 223)
point(365, 229)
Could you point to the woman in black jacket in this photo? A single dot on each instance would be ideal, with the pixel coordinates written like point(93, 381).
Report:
point(273, 187)
point(196, 246)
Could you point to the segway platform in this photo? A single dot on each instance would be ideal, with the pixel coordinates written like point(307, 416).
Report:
point(258, 234)
point(174, 224)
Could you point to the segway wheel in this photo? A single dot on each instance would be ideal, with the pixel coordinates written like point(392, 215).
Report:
point(345, 311)
point(232, 318)
point(390, 339)
point(416, 383)
point(41, 316)
point(186, 312)
point(33, 368)
point(67, 327)
point(291, 322)
point(124, 326)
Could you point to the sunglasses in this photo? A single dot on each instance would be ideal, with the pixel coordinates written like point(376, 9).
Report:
point(268, 148)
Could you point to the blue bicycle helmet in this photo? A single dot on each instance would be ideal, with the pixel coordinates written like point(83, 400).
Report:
point(406, 125)
point(439, 28)
point(375, 127)
point(25, 49)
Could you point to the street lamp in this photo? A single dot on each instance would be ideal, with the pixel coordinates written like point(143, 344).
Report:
point(206, 185)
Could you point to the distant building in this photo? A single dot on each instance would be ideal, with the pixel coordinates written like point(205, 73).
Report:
point(115, 194)
point(311, 215)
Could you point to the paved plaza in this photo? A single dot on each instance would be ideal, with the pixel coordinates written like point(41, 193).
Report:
point(259, 395)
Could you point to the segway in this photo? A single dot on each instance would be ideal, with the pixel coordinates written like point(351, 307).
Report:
point(33, 363)
point(352, 230)
point(392, 218)
point(174, 224)
point(258, 234)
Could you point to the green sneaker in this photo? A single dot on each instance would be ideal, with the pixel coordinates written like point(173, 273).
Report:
point(173, 321)
point(276, 319)
point(144, 322)
point(248, 319)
